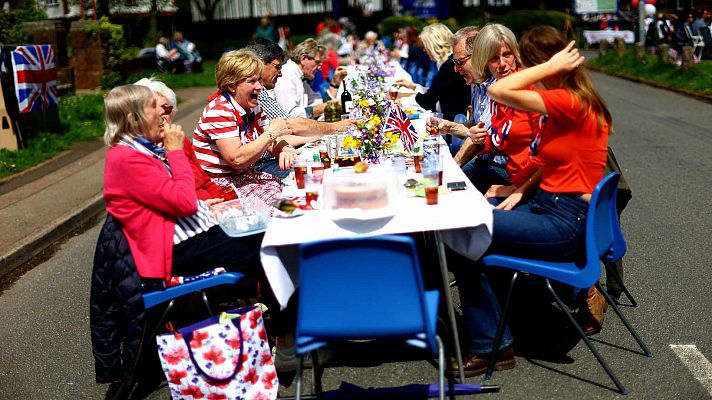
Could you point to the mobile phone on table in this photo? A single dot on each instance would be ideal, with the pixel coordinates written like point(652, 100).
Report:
point(456, 185)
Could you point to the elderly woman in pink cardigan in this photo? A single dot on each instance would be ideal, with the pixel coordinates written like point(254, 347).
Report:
point(149, 188)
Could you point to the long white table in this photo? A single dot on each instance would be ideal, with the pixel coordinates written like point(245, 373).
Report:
point(609, 35)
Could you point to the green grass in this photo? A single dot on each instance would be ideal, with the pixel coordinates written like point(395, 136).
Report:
point(696, 80)
point(180, 81)
point(81, 118)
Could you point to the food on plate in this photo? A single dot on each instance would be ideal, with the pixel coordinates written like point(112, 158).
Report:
point(286, 205)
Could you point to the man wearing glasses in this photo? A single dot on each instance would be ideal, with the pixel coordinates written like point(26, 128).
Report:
point(292, 91)
point(305, 130)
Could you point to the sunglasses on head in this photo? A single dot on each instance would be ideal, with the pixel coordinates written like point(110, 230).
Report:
point(461, 61)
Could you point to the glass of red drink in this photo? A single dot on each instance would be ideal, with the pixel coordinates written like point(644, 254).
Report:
point(300, 169)
point(430, 184)
point(312, 184)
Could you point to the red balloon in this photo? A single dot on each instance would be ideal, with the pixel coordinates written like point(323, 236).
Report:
point(634, 3)
point(651, 2)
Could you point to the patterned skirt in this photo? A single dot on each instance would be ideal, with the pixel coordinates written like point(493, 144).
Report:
point(253, 185)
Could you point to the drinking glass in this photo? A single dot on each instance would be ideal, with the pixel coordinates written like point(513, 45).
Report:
point(433, 126)
point(300, 169)
point(312, 185)
point(393, 92)
point(430, 185)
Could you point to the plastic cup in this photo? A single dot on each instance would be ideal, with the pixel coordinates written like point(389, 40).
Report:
point(430, 185)
point(300, 169)
point(434, 123)
point(312, 185)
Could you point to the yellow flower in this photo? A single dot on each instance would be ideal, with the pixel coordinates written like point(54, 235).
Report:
point(363, 103)
point(349, 142)
point(393, 137)
point(375, 120)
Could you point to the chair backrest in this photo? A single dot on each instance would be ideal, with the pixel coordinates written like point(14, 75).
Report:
point(704, 31)
point(600, 224)
point(697, 41)
point(361, 288)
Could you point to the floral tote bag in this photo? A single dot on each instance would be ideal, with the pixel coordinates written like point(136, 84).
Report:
point(223, 357)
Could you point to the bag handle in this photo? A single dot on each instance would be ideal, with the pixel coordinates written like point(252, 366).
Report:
point(188, 336)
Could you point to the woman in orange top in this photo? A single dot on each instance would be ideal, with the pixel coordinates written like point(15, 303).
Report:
point(570, 154)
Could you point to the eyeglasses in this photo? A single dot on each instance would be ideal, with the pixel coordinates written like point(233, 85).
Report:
point(461, 61)
point(316, 60)
point(278, 67)
point(167, 109)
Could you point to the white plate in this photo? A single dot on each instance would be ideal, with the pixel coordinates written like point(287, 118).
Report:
point(361, 215)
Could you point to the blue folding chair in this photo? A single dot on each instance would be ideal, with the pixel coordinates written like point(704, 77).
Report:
point(600, 228)
point(364, 288)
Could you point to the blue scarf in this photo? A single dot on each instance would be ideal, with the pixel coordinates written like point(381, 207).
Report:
point(159, 151)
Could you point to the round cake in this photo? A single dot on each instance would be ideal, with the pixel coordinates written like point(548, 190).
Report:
point(364, 196)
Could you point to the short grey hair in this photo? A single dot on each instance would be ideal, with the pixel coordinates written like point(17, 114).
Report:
point(309, 48)
point(123, 112)
point(464, 33)
point(330, 41)
point(161, 88)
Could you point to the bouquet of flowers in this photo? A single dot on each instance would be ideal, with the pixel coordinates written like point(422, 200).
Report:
point(370, 110)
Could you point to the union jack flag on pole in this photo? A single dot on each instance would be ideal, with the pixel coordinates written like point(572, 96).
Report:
point(35, 77)
point(399, 122)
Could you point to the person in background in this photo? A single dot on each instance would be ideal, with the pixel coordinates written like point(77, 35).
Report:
point(293, 92)
point(168, 59)
point(233, 132)
point(448, 93)
point(304, 130)
point(331, 43)
point(418, 63)
point(265, 30)
point(188, 51)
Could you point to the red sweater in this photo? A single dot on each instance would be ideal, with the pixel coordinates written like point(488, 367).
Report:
point(141, 194)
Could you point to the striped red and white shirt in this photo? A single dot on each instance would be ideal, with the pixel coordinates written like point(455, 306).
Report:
point(223, 118)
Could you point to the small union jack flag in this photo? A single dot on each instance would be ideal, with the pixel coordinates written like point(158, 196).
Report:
point(399, 122)
point(35, 77)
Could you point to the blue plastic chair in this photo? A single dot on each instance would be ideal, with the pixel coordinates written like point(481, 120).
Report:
point(600, 232)
point(364, 288)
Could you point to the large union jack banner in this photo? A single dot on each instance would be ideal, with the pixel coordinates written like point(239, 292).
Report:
point(35, 77)
point(398, 122)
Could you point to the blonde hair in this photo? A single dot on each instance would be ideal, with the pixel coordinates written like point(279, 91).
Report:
point(236, 66)
point(488, 43)
point(123, 112)
point(437, 39)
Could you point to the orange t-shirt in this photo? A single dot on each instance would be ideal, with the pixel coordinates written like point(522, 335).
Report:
point(572, 146)
point(512, 132)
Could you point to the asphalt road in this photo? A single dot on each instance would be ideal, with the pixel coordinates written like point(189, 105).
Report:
point(662, 140)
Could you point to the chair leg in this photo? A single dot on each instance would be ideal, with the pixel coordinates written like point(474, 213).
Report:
point(441, 369)
point(500, 328)
point(317, 374)
point(298, 378)
point(610, 269)
point(586, 340)
point(623, 319)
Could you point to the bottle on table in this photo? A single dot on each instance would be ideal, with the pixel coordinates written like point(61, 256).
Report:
point(317, 167)
point(346, 101)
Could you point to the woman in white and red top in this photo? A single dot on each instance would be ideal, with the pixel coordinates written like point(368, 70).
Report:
point(233, 133)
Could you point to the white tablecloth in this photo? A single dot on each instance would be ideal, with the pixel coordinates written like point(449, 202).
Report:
point(609, 35)
point(464, 219)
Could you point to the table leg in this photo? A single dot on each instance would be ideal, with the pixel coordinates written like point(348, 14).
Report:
point(448, 302)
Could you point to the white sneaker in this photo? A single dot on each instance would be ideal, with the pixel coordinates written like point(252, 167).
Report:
point(285, 360)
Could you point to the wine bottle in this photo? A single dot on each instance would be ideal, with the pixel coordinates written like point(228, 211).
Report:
point(346, 102)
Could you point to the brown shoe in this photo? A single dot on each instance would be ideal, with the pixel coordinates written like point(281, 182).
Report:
point(477, 364)
point(591, 317)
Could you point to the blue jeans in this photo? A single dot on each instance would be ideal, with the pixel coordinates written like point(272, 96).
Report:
point(484, 173)
point(547, 227)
